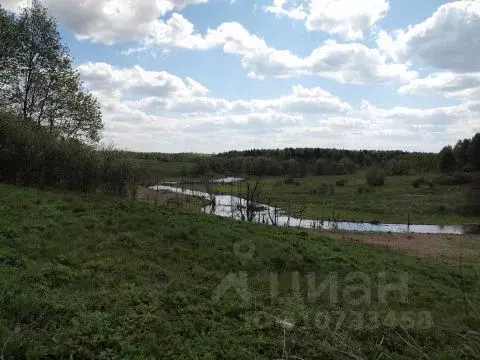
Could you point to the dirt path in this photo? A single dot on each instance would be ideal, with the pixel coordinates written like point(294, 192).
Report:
point(449, 248)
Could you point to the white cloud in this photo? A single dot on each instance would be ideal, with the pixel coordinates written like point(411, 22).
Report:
point(448, 40)
point(347, 18)
point(156, 110)
point(104, 77)
point(344, 62)
point(160, 90)
point(110, 21)
point(464, 86)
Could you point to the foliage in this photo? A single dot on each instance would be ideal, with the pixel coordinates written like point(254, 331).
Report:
point(446, 160)
point(35, 156)
point(466, 154)
point(473, 198)
point(418, 182)
point(398, 167)
point(454, 179)
point(37, 79)
point(375, 177)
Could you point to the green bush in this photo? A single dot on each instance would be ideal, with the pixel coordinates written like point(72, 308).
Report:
point(473, 199)
point(418, 182)
point(34, 156)
point(453, 179)
point(375, 177)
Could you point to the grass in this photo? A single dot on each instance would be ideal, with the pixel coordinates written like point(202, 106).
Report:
point(161, 170)
point(88, 277)
point(393, 202)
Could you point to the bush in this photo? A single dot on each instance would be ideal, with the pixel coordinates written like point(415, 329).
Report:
point(453, 179)
point(418, 182)
point(472, 206)
point(289, 180)
point(400, 167)
point(341, 182)
point(375, 177)
point(446, 160)
point(35, 156)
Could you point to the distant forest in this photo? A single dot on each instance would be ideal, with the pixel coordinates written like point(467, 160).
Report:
point(298, 162)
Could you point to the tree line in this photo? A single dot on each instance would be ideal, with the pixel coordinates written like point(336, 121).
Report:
point(463, 157)
point(312, 161)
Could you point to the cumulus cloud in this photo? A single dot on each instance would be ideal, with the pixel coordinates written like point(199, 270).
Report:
point(448, 40)
point(346, 18)
point(160, 90)
point(157, 110)
point(464, 86)
point(104, 77)
point(344, 62)
point(110, 21)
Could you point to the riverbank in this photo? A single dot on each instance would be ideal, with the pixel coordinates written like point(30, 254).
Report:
point(86, 276)
point(398, 201)
point(247, 209)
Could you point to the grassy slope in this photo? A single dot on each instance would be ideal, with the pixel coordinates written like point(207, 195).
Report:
point(90, 277)
point(389, 203)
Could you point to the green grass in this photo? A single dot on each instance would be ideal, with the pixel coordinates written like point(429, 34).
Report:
point(162, 170)
point(86, 277)
point(389, 203)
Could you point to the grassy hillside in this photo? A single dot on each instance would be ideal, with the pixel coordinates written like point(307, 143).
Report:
point(392, 202)
point(86, 277)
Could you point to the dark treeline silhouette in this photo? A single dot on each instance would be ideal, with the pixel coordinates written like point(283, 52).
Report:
point(298, 162)
point(464, 156)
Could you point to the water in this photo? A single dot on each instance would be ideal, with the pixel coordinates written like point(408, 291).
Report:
point(234, 207)
point(227, 180)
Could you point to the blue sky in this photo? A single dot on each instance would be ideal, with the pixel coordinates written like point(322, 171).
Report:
point(215, 75)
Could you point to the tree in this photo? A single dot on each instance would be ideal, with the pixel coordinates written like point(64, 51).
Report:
point(38, 79)
point(446, 160)
point(320, 167)
point(460, 152)
point(375, 177)
point(348, 164)
point(473, 152)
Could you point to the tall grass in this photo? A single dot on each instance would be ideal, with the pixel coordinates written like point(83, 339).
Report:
point(34, 156)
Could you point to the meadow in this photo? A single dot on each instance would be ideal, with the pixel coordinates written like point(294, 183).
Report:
point(87, 276)
point(398, 201)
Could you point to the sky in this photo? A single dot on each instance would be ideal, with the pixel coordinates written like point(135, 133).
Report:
point(216, 75)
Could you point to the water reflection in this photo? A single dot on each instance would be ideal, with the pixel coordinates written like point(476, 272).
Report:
point(235, 207)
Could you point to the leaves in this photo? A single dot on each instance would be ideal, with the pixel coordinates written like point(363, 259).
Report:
point(37, 79)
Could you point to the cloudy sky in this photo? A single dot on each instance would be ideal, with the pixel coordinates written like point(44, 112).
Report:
point(215, 75)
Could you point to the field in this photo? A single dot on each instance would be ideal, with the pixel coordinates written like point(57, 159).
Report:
point(89, 277)
point(394, 202)
point(162, 170)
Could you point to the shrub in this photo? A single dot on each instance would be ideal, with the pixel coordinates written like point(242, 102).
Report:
point(446, 160)
point(375, 177)
point(453, 179)
point(473, 198)
point(418, 182)
point(35, 156)
point(289, 180)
